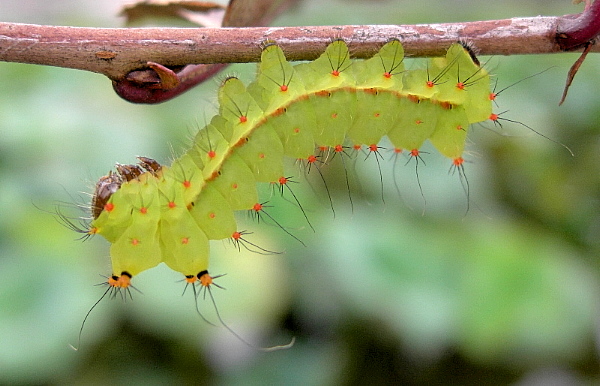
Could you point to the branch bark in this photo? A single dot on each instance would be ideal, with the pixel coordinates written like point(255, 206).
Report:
point(115, 52)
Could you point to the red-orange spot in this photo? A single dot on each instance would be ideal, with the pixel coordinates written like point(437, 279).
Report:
point(143, 210)
point(458, 161)
point(296, 130)
point(283, 180)
point(418, 121)
point(338, 148)
point(357, 147)
point(283, 87)
point(243, 119)
point(212, 215)
point(397, 150)
point(234, 186)
point(335, 73)
point(493, 96)
point(494, 117)
point(134, 242)
point(187, 184)
point(212, 154)
point(172, 204)
point(459, 127)
point(323, 148)
point(257, 207)
point(312, 159)
point(387, 75)
point(430, 84)
point(373, 147)
point(236, 235)
point(414, 153)
point(109, 207)
point(376, 115)
point(334, 115)
point(206, 280)
point(185, 240)
point(261, 155)
point(460, 86)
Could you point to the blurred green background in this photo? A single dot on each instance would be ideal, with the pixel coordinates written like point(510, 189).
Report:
point(507, 293)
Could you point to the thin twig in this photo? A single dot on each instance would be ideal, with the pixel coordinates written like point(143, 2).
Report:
point(115, 52)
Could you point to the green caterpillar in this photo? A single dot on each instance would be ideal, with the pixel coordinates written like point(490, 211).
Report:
point(152, 213)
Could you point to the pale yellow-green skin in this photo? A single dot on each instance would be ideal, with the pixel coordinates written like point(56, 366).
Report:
point(171, 216)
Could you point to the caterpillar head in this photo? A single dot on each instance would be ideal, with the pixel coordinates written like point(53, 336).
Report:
point(107, 185)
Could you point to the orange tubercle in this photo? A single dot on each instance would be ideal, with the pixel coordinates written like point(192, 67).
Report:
point(205, 279)
point(122, 281)
point(458, 161)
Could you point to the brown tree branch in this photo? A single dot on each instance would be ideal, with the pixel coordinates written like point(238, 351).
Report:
point(115, 52)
